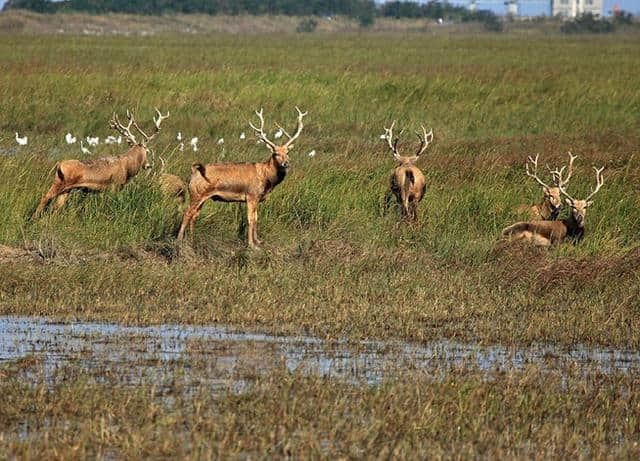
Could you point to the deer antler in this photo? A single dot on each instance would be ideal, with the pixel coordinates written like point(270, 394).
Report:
point(534, 175)
point(425, 140)
point(388, 135)
point(298, 129)
point(157, 120)
point(259, 132)
point(124, 130)
point(557, 174)
point(599, 183)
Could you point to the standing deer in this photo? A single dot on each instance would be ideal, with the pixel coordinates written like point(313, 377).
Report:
point(549, 208)
point(240, 182)
point(407, 181)
point(105, 172)
point(546, 233)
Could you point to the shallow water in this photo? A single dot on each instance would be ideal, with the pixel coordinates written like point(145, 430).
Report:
point(223, 357)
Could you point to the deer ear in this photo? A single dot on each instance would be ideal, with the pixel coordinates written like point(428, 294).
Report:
point(291, 146)
point(589, 203)
point(568, 202)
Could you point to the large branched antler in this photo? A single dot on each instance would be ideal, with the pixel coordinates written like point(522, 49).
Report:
point(299, 127)
point(388, 136)
point(599, 182)
point(259, 132)
point(534, 175)
point(157, 120)
point(425, 140)
point(556, 174)
point(124, 130)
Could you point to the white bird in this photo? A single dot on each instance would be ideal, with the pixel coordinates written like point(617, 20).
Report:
point(242, 136)
point(93, 141)
point(119, 140)
point(21, 141)
point(278, 133)
point(194, 144)
point(312, 153)
point(179, 137)
point(220, 141)
point(110, 140)
point(84, 149)
point(70, 138)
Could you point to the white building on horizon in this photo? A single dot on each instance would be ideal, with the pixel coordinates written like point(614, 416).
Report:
point(573, 8)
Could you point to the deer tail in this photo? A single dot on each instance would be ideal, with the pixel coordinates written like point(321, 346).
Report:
point(408, 181)
point(198, 168)
point(58, 170)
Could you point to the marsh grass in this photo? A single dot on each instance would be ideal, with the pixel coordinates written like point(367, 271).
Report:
point(527, 415)
point(336, 261)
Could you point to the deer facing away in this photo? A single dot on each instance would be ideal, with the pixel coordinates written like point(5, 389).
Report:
point(551, 205)
point(407, 181)
point(240, 182)
point(103, 173)
point(546, 233)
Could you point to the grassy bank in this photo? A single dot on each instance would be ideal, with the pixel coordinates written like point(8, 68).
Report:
point(336, 263)
point(524, 416)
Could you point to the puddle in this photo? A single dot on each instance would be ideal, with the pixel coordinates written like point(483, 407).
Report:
point(222, 357)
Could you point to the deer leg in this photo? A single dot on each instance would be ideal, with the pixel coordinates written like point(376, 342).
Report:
point(51, 193)
point(186, 217)
point(62, 198)
point(414, 211)
point(194, 216)
point(252, 218)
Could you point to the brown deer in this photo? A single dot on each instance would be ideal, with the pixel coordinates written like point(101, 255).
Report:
point(549, 208)
point(102, 173)
point(407, 181)
point(240, 182)
point(171, 185)
point(546, 233)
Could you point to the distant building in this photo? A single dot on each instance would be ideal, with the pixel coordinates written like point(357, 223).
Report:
point(573, 8)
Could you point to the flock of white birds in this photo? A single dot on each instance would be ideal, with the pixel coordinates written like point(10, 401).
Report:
point(95, 140)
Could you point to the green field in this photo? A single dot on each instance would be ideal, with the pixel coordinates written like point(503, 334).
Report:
point(336, 263)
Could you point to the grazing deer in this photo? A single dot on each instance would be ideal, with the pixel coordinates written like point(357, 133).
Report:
point(407, 181)
point(549, 208)
point(240, 182)
point(105, 172)
point(546, 233)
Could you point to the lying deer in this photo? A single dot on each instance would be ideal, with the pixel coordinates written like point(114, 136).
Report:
point(546, 233)
point(105, 172)
point(240, 182)
point(171, 185)
point(549, 208)
point(407, 181)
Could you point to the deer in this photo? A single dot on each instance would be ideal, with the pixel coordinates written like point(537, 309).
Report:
point(407, 182)
point(547, 233)
point(106, 172)
point(171, 185)
point(551, 205)
point(241, 182)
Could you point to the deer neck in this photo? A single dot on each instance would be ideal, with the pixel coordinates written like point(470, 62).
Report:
point(134, 159)
point(275, 174)
point(546, 213)
point(574, 230)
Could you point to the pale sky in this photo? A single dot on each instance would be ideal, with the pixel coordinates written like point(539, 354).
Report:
point(531, 7)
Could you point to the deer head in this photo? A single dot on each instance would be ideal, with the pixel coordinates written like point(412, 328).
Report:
point(579, 207)
point(424, 138)
point(130, 137)
point(279, 154)
point(551, 194)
